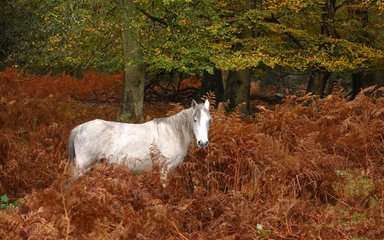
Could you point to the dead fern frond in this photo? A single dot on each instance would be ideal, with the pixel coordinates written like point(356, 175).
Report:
point(309, 145)
point(11, 165)
point(338, 89)
point(9, 218)
point(279, 175)
point(211, 98)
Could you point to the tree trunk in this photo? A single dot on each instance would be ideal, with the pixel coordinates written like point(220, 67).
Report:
point(237, 88)
point(364, 78)
point(318, 81)
point(328, 18)
point(239, 82)
point(131, 108)
point(213, 82)
point(361, 80)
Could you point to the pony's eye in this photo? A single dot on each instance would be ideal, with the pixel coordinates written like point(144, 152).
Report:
point(195, 120)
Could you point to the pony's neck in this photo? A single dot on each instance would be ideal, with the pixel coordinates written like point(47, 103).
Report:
point(186, 116)
point(183, 124)
point(180, 124)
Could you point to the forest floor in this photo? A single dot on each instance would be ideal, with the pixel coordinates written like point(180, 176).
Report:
point(308, 169)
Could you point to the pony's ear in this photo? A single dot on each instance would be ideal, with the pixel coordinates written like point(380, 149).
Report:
point(206, 104)
point(194, 103)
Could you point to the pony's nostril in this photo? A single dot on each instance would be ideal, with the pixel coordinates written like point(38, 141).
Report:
point(202, 143)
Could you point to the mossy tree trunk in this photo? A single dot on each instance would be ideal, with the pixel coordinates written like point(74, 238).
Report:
point(132, 101)
point(239, 82)
point(237, 88)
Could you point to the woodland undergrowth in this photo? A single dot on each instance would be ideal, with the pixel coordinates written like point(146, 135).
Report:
point(309, 168)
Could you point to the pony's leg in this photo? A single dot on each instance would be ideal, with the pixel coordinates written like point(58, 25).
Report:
point(78, 171)
point(164, 175)
point(80, 167)
point(167, 169)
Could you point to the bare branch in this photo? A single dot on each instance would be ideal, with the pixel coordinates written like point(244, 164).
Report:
point(153, 18)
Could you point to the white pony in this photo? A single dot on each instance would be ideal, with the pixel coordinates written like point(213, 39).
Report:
point(132, 144)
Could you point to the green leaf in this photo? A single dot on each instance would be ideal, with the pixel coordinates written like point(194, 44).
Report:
point(4, 199)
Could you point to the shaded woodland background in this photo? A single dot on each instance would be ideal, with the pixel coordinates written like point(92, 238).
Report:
point(296, 146)
point(309, 168)
point(229, 44)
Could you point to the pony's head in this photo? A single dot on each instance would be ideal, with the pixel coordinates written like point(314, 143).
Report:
point(201, 119)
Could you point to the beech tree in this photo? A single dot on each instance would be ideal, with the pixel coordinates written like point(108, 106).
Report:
point(311, 37)
point(204, 37)
point(134, 71)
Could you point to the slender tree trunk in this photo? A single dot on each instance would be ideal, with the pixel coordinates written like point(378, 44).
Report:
point(131, 108)
point(312, 83)
point(323, 83)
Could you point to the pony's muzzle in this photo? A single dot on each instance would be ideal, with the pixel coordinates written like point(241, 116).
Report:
point(202, 144)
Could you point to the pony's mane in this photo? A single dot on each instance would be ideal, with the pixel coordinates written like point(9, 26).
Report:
point(182, 119)
point(177, 121)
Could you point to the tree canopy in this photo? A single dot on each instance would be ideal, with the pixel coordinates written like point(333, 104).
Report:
point(197, 35)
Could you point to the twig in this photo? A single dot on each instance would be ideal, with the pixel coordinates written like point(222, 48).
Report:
point(177, 230)
point(340, 201)
point(65, 213)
